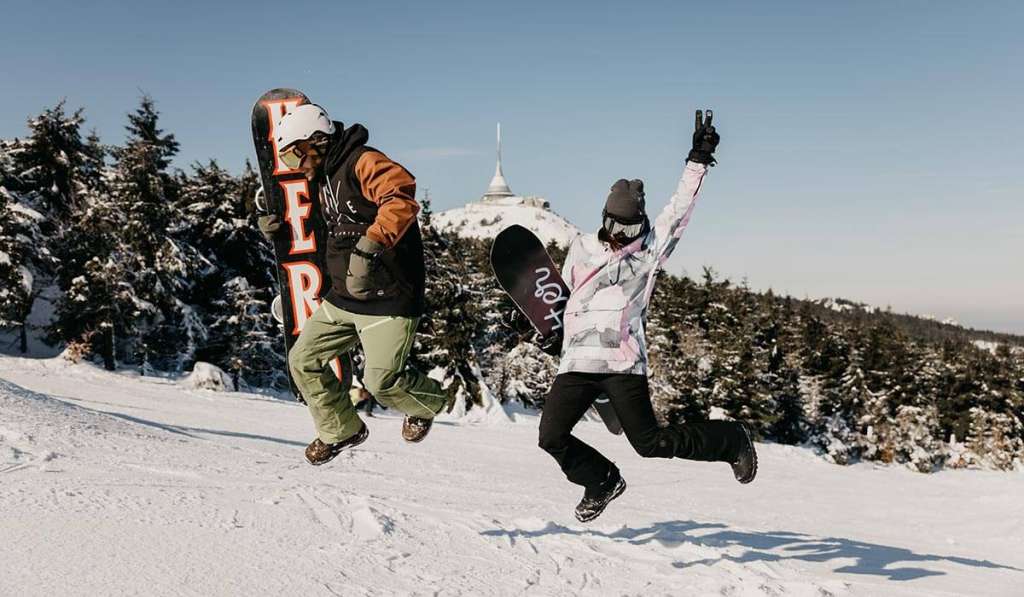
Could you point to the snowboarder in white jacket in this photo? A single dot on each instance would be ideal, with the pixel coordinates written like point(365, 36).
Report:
point(612, 275)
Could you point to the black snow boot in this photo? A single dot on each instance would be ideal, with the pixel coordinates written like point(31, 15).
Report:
point(596, 499)
point(745, 466)
point(317, 452)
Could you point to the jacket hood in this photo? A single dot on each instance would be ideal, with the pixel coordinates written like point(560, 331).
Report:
point(343, 142)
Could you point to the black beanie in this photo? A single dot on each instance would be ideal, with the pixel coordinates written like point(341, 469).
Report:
point(626, 201)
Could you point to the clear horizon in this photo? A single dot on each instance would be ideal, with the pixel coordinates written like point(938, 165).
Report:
point(870, 152)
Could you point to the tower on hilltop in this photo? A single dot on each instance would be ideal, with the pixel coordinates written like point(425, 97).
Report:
point(498, 189)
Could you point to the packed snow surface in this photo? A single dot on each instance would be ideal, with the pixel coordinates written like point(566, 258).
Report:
point(115, 484)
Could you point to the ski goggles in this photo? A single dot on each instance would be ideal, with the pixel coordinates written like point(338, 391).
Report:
point(617, 229)
point(292, 156)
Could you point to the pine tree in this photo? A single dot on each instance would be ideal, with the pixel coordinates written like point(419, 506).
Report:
point(781, 378)
point(141, 187)
point(791, 425)
point(844, 395)
point(453, 315)
point(995, 439)
point(53, 164)
point(248, 184)
point(916, 444)
point(679, 358)
point(761, 332)
point(117, 251)
point(165, 270)
point(522, 374)
point(96, 307)
point(233, 289)
point(243, 337)
point(97, 310)
point(686, 393)
point(426, 214)
point(45, 177)
point(736, 388)
point(213, 220)
point(14, 292)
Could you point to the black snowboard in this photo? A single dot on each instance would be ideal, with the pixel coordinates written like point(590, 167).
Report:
point(301, 269)
point(532, 281)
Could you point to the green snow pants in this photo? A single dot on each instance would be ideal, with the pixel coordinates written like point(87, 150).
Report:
point(386, 341)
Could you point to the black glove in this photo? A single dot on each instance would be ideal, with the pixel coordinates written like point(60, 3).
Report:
point(515, 321)
point(367, 277)
point(705, 140)
point(269, 225)
point(552, 344)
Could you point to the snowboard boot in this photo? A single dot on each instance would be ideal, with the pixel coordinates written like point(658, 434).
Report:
point(745, 466)
point(414, 429)
point(596, 499)
point(318, 452)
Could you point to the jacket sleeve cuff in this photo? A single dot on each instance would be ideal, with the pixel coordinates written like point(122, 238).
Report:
point(696, 166)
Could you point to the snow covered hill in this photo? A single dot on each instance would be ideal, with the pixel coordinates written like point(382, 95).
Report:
point(486, 220)
point(115, 484)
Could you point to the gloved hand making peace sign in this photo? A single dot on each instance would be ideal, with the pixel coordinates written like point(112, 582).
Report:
point(705, 140)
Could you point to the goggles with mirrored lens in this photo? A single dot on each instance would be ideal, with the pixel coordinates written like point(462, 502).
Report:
point(617, 229)
point(292, 155)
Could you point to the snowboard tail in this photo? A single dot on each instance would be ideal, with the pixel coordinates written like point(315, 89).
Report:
point(604, 409)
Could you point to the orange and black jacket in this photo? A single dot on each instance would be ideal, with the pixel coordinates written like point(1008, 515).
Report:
point(366, 193)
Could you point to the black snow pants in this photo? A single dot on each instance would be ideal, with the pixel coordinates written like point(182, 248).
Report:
point(571, 395)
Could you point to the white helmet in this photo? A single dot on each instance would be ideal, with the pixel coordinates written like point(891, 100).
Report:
point(301, 123)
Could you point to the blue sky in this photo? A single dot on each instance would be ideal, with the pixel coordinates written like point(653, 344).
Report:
point(870, 150)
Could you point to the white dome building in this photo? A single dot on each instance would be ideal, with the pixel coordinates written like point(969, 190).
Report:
point(500, 207)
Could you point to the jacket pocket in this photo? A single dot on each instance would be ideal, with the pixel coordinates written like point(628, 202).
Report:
point(337, 264)
point(376, 283)
point(595, 328)
point(398, 283)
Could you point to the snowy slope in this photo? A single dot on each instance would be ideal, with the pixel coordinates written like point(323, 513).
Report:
point(481, 220)
point(114, 484)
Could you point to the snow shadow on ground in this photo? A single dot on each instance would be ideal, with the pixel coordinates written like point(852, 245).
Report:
point(767, 546)
point(191, 431)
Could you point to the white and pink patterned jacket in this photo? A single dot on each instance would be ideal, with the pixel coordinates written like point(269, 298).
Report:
point(607, 310)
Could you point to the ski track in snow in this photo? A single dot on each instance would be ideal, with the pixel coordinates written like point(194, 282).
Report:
point(114, 484)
